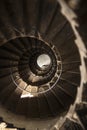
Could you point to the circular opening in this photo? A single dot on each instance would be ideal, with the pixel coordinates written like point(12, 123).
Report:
point(43, 61)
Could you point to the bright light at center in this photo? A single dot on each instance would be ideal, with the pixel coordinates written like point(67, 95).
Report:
point(43, 60)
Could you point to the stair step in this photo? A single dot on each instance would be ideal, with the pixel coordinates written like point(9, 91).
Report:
point(71, 66)
point(13, 99)
point(6, 92)
point(8, 53)
point(73, 78)
point(68, 88)
point(64, 98)
point(4, 72)
point(22, 106)
point(33, 108)
point(54, 104)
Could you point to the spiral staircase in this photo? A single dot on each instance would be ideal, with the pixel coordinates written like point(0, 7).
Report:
point(30, 31)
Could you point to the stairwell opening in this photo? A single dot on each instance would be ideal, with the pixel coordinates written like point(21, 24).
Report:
point(44, 61)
